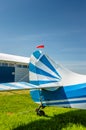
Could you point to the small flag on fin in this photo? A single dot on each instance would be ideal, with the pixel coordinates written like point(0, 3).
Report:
point(40, 46)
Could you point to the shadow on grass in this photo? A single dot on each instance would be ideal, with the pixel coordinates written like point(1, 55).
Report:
point(57, 122)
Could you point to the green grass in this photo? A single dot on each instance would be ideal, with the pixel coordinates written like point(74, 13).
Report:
point(17, 112)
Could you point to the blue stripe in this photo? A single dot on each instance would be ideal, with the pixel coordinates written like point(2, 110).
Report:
point(37, 70)
point(12, 85)
point(39, 82)
point(15, 86)
point(67, 102)
point(67, 92)
point(46, 62)
point(74, 87)
point(35, 94)
point(64, 93)
point(28, 84)
point(75, 90)
point(37, 54)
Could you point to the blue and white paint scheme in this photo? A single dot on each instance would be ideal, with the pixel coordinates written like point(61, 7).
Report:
point(67, 89)
point(51, 84)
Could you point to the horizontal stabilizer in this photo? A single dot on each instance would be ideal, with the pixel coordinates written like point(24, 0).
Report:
point(15, 86)
point(20, 86)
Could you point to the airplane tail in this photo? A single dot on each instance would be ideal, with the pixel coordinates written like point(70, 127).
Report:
point(58, 83)
point(43, 70)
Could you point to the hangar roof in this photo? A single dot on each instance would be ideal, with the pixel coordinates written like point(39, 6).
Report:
point(14, 59)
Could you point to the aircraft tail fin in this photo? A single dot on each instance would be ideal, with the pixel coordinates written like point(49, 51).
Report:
point(42, 70)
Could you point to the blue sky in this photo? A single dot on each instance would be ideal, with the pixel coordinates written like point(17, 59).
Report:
point(58, 24)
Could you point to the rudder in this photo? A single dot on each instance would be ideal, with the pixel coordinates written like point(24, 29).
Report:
point(42, 70)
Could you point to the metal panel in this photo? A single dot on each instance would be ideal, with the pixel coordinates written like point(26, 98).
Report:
point(21, 74)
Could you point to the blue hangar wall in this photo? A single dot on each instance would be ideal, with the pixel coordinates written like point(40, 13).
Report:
point(6, 74)
point(14, 74)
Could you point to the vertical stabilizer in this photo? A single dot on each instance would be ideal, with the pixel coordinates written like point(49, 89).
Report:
point(42, 70)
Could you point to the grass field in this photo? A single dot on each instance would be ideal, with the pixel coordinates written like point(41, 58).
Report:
point(17, 112)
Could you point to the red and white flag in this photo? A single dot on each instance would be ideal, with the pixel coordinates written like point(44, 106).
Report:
point(40, 46)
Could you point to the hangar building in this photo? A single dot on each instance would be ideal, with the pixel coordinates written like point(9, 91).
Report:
point(13, 68)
